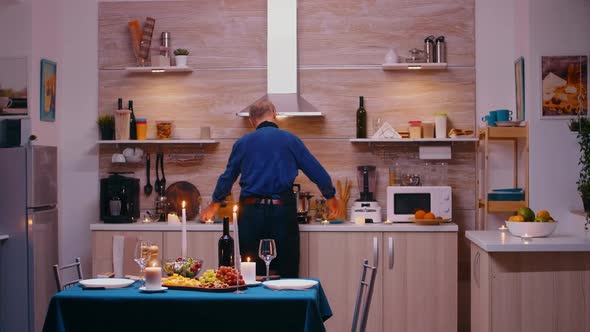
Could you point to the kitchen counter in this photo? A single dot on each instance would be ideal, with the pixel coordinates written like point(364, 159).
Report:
point(4, 237)
point(496, 241)
point(344, 227)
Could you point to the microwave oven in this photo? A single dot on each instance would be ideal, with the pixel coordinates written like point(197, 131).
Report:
point(403, 201)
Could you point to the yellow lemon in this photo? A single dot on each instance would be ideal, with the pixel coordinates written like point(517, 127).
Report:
point(543, 214)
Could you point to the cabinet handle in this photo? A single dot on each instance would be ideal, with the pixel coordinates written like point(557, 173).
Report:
point(375, 251)
point(476, 269)
point(391, 253)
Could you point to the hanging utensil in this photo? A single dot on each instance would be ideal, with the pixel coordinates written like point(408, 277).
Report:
point(157, 183)
point(147, 189)
point(163, 180)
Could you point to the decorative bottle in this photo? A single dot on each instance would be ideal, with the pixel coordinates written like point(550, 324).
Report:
point(132, 122)
point(226, 246)
point(361, 119)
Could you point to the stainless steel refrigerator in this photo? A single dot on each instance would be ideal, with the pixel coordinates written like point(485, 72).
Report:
point(28, 215)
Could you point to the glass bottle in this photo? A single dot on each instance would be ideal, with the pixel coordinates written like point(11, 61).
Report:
point(361, 119)
point(132, 122)
point(226, 246)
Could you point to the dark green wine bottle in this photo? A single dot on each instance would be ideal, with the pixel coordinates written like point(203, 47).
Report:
point(132, 122)
point(361, 119)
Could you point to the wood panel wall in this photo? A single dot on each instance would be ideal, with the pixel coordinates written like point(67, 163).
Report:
point(342, 44)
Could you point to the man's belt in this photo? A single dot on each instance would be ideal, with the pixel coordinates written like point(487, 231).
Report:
point(263, 201)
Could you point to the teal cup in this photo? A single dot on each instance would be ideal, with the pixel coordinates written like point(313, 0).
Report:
point(489, 120)
point(503, 115)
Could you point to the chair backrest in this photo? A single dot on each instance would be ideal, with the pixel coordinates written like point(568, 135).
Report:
point(363, 299)
point(67, 270)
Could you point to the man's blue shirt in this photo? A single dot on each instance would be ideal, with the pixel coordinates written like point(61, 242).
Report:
point(268, 160)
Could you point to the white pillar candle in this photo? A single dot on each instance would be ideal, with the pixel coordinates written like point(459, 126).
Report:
point(237, 257)
point(183, 235)
point(153, 277)
point(249, 271)
point(173, 218)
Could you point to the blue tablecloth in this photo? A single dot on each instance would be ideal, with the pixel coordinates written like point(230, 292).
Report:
point(128, 309)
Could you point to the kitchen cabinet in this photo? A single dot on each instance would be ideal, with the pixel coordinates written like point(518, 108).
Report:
point(335, 258)
point(514, 134)
point(529, 291)
point(102, 248)
point(202, 245)
point(419, 272)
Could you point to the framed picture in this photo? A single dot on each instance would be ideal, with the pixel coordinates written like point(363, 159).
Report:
point(48, 87)
point(564, 86)
point(519, 79)
point(13, 86)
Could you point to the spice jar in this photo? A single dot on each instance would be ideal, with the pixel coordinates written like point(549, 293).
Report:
point(415, 129)
point(428, 129)
point(163, 129)
point(141, 128)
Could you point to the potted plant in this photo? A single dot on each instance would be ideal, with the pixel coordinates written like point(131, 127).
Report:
point(106, 124)
point(582, 127)
point(181, 55)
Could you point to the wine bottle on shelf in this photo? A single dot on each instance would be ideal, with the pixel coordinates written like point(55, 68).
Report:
point(226, 246)
point(132, 122)
point(120, 104)
point(361, 119)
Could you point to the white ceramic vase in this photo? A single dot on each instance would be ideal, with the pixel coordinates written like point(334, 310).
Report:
point(181, 60)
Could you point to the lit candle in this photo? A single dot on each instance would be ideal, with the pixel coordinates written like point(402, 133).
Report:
point(249, 271)
point(209, 221)
point(173, 218)
point(526, 238)
point(325, 222)
point(237, 257)
point(153, 278)
point(503, 228)
point(183, 229)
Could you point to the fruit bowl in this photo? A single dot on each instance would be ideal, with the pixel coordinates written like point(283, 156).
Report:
point(186, 267)
point(532, 229)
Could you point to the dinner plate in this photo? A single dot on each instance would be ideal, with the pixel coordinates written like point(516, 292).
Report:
point(254, 283)
point(161, 289)
point(106, 282)
point(429, 222)
point(290, 284)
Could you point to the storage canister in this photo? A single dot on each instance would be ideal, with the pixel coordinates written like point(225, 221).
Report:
point(415, 129)
point(428, 129)
point(141, 126)
point(164, 129)
point(122, 119)
point(441, 50)
point(440, 124)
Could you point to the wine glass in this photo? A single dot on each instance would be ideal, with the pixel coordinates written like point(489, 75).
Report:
point(142, 255)
point(267, 251)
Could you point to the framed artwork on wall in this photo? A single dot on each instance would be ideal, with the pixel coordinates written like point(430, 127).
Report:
point(48, 87)
point(564, 81)
point(519, 80)
point(13, 86)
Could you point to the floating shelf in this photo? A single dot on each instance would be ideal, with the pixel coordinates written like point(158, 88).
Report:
point(502, 206)
point(503, 132)
point(160, 141)
point(167, 69)
point(413, 140)
point(414, 66)
point(286, 114)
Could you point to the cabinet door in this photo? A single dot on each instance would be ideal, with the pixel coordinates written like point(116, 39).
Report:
point(335, 258)
point(420, 282)
point(102, 250)
point(201, 245)
point(480, 314)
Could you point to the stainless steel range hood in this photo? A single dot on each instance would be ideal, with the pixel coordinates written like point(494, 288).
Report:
point(281, 54)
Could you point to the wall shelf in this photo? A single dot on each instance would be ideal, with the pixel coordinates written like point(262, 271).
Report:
point(414, 66)
point(160, 141)
point(413, 140)
point(156, 70)
point(502, 206)
point(286, 114)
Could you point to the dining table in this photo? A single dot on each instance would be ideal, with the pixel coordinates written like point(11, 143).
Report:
point(127, 309)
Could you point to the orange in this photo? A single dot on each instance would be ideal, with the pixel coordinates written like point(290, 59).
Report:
point(543, 214)
point(429, 215)
point(517, 218)
point(419, 214)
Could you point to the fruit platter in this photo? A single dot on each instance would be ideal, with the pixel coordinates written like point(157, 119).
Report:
point(186, 267)
point(424, 218)
point(525, 223)
point(223, 279)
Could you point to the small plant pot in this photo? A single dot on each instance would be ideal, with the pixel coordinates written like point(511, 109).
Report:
point(107, 133)
point(181, 60)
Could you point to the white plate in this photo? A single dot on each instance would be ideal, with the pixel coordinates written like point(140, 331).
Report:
point(106, 282)
point(253, 283)
point(161, 289)
point(290, 284)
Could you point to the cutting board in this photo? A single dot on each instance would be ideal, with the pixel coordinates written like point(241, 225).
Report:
point(184, 191)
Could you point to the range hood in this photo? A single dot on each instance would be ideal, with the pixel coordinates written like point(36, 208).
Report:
point(281, 54)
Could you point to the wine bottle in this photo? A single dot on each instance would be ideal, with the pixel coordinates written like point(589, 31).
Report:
point(120, 104)
point(132, 122)
point(361, 119)
point(226, 246)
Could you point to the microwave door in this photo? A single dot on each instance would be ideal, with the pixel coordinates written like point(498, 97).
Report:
point(406, 204)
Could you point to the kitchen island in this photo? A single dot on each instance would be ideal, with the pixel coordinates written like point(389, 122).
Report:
point(539, 284)
point(417, 266)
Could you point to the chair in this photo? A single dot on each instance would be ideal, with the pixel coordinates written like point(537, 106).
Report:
point(68, 270)
point(363, 299)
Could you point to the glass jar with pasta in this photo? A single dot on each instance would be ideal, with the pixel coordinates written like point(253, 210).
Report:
point(163, 129)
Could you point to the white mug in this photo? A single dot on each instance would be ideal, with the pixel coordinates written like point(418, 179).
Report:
point(5, 102)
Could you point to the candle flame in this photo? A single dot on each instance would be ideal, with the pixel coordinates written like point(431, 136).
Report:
point(236, 208)
point(248, 259)
point(183, 204)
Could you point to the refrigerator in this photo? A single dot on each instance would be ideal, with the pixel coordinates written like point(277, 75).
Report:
point(28, 216)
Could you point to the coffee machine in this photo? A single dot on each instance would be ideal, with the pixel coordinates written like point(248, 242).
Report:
point(366, 209)
point(119, 198)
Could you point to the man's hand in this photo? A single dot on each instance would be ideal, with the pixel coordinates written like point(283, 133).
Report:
point(210, 211)
point(333, 204)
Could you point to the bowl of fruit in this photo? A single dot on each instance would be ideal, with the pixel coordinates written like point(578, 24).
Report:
point(525, 223)
point(186, 267)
